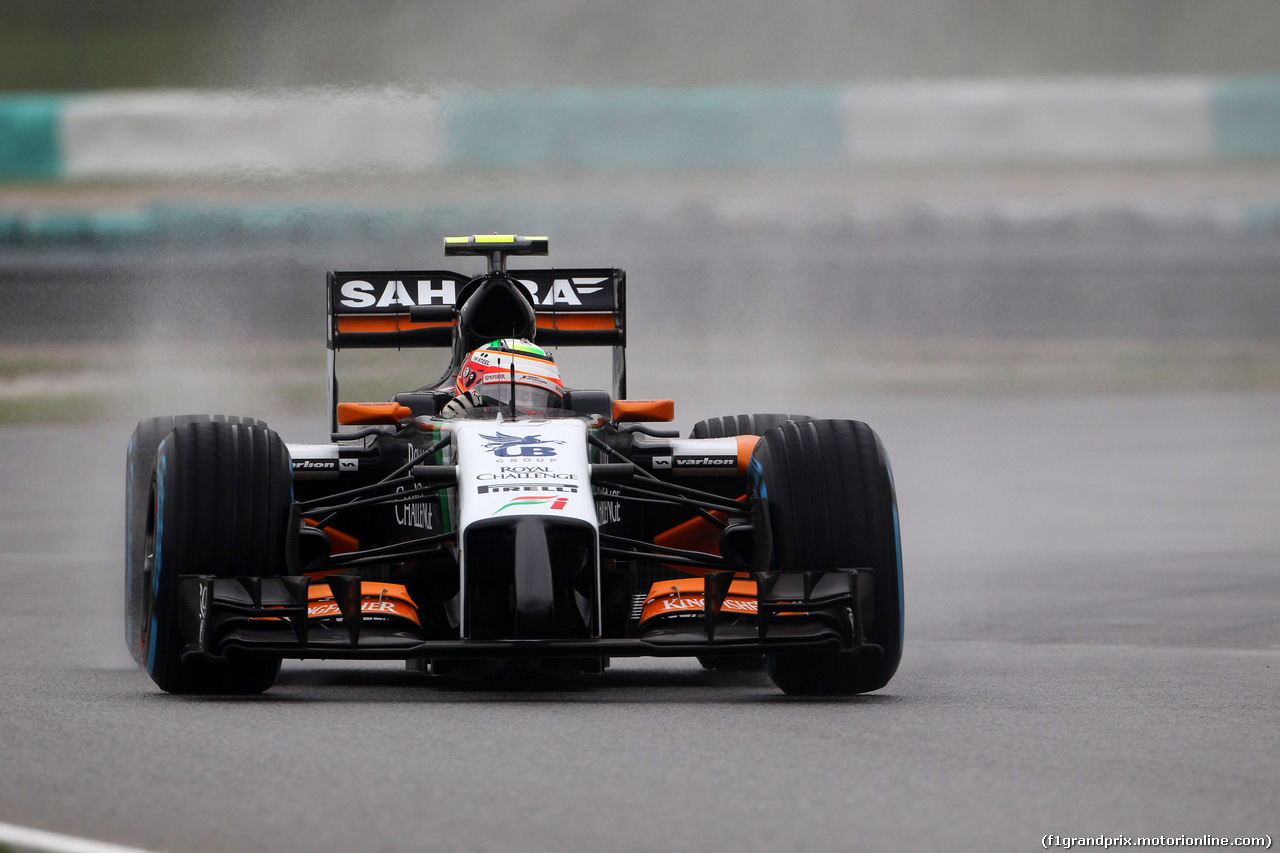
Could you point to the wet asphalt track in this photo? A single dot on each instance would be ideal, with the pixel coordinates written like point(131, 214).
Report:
point(1093, 647)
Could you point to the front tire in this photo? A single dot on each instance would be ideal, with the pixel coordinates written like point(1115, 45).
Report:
point(832, 506)
point(727, 427)
point(219, 505)
point(140, 465)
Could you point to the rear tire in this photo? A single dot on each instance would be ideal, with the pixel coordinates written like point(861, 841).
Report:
point(727, 427)
point(220, 505)
point(831, 506)
point(141, 463)
point(731, 425)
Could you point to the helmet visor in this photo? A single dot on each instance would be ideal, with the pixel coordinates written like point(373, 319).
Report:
point(496, 390)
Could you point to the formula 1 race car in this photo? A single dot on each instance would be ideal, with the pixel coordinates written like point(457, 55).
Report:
point(497, 523)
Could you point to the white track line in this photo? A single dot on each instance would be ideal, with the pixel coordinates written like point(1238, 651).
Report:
point(52, 842)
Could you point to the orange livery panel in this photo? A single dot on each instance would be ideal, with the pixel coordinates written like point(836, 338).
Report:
point(376, 599)
point(685, 595)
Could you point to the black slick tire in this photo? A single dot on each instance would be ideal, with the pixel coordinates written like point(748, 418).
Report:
point(140, 464)
point(726, 427)
point(832, 505)
point(731, 425)
point(219, 505)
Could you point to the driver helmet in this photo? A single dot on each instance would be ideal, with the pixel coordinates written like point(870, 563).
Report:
point(488, 372)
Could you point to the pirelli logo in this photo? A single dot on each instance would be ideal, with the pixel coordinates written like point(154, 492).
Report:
point(527, 487)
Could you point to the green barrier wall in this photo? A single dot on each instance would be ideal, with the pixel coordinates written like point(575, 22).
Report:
point(645, 129)
point(29, 137)
point(1246, 118)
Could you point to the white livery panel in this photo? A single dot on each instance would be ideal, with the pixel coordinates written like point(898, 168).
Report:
point(513, 468)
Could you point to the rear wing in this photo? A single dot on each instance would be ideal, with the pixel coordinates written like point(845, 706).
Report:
point(411, 308)
point(573, 307)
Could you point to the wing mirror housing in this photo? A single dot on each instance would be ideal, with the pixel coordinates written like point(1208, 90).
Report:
point(644, 411)
point(365, 414)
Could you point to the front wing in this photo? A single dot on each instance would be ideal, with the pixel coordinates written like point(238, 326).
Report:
point(344, 618)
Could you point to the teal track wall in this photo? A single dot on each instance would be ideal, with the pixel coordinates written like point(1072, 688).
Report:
point(1246, 118)
point(644, 129)
point(29, 143)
